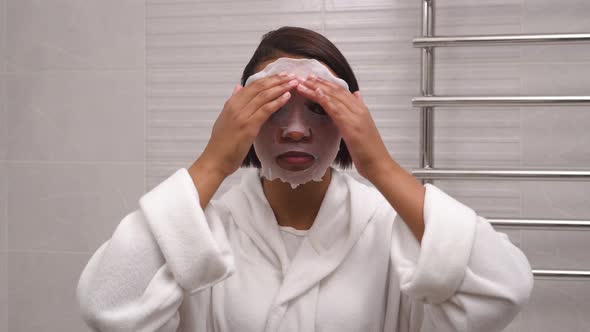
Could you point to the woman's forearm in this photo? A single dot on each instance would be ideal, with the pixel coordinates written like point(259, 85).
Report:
point(405, 194)
point(207, 179)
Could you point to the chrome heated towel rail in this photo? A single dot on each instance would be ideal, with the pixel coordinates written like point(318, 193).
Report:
point(428, 101)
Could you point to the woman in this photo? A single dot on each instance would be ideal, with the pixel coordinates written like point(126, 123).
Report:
point(299, 245)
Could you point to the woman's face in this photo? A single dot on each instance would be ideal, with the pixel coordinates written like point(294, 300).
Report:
point(298, 142)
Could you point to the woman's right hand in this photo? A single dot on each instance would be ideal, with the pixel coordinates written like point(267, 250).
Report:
point(243, 114)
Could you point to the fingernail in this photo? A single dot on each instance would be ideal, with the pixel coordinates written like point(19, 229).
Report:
point(302, 87)
point(291, 75)
point(283, 73)
point(293, 82)
point(312, 77)
point(286, 95)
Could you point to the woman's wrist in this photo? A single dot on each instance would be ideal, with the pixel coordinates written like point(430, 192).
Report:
point(207, 177)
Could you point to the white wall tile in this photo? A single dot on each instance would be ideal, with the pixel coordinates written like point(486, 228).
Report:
point(75, 34)
point(360, 6)
point(69, 207)
point(3, 203)
point(193, 8)
point(556, 199)
point(556, 137)
point(76, 115)
point(3, 293)
point(42, 292)
point(557, 249)
point(549, 16)
point(487, 198)
point(473, 18)
point(555, 78)
point(2, 36)
point(557, 305)
point(3, 126)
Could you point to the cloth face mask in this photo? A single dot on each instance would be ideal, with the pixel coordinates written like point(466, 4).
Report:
point(306, 158)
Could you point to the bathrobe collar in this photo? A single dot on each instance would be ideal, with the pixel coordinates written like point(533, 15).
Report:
point(343, 215)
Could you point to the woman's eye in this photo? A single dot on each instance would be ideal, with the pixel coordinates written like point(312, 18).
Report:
point(316, 108)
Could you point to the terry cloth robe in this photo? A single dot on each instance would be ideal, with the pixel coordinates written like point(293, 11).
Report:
point(170, 266)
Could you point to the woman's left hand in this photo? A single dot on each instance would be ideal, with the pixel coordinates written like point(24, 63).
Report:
point(352, 117)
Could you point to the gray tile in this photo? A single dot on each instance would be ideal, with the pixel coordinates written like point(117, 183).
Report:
point(71, 207)
point(3, 203)
point(473, 18)
point(549, 16)
point(382, 37)
point(227, 9)
point(565, 53)
point(557, 249)
point(76, 115)
point(74, 34)
point(555, 78)
point(489, 199)
point(558, 305)
point(3, 127)
point(556, 137)
point(477, 137)
point(3, 293)
point(368, 5)
point(484, 61)
point(42, 292)
point(556, 199)
point(2, 37)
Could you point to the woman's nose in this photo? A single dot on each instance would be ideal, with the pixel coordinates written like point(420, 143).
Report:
point(294, 135)
point(296, 129)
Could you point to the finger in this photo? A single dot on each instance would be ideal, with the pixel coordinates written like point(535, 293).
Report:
point(332, 89)
point(237, 88)
point(333, 107)
point(316, 79)
point(265, 96)
point(265, 111)
point(358, 95)
point(252, 89)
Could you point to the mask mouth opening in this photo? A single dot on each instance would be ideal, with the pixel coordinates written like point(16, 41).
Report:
point(295, 154)
point(295, 161)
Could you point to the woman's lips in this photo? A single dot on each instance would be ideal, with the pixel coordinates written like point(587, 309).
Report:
point(295, 160)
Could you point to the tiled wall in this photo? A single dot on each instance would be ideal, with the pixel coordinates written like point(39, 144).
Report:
point(72, 149)
point(102, 100)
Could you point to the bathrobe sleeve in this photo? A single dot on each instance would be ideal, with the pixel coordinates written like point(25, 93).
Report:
point(463, 276)
point(161, 252)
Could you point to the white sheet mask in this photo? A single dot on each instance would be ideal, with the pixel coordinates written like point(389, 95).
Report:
point(316, 133)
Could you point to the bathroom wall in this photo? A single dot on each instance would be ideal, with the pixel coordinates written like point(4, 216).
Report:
point(72, 147)
point(102, 100)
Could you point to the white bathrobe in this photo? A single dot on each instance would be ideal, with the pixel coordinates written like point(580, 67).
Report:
point(170, 266)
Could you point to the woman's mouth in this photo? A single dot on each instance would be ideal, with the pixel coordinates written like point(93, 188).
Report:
point(295, 160)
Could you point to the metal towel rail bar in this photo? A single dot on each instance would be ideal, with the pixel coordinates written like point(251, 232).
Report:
point(472, 174)
point(541, 223)
point(460, 101)
point(428, 100)
point(455, 41)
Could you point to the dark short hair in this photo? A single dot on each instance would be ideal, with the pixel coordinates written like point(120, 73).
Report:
point(309, 44)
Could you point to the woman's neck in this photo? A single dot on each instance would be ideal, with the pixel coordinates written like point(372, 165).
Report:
point(297, 207)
